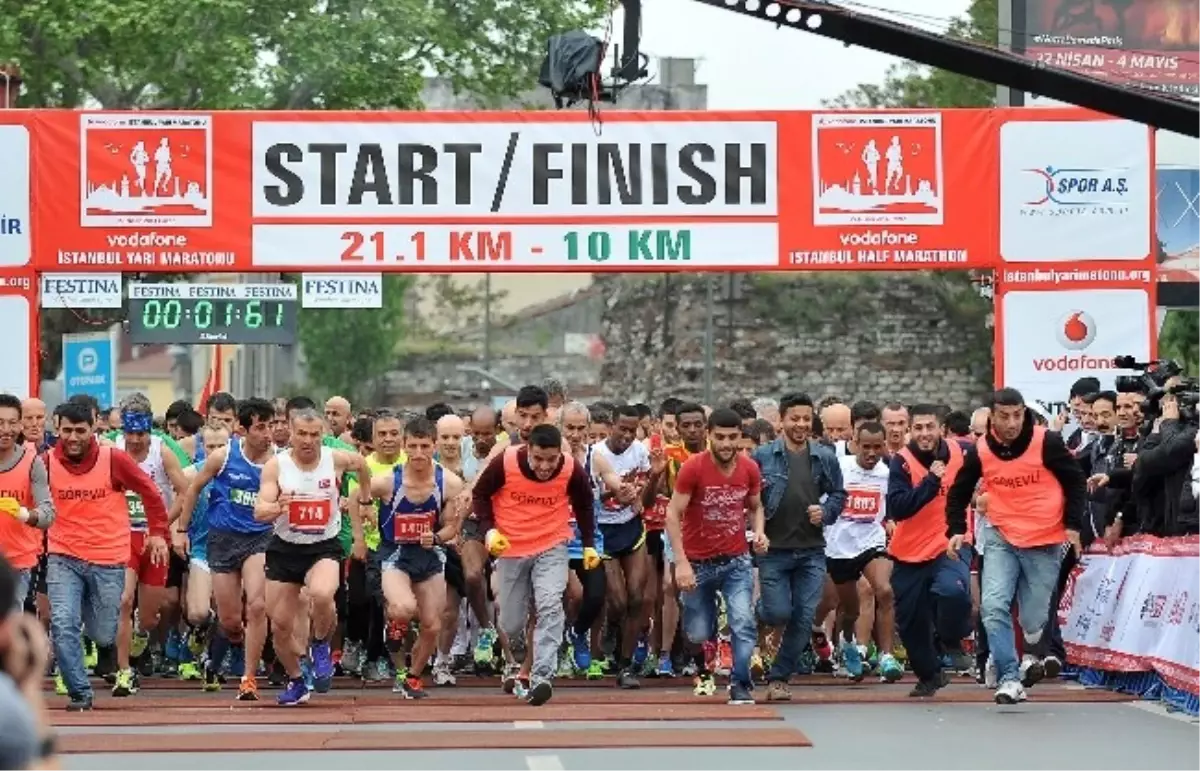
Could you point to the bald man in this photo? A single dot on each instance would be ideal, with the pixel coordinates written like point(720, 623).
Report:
point(979, 421)
point(835, 420)
point(508, 418)
point(33, 423)
point(337, 415)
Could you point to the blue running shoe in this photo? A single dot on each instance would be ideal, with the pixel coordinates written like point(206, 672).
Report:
point(581, 648)
point(322, 666)
point(173, 649)
point(665, 668)
point(640, 653)
point(306, 674)
point(852, 661)
point(237, 661)
point(295, 693)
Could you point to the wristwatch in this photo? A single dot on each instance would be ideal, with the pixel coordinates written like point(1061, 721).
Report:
point(367, 502)
point(437, 540)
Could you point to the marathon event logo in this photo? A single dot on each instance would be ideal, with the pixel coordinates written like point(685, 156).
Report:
point(1078, 192)
point(637, 168)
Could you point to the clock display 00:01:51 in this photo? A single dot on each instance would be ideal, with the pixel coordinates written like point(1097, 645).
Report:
point(206, 314)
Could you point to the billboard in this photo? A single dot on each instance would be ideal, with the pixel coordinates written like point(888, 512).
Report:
point(1149, 43)
point(1177, 204)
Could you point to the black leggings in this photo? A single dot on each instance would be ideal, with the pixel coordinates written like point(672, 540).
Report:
point(595, 588)
point(358, 602)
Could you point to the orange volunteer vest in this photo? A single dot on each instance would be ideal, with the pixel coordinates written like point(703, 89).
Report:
point(20, 544)
point(1025, 501)
point(92, 522)
point(922, 537)
point(534, 516)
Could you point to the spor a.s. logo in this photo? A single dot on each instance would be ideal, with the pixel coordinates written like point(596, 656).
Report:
point(1066, 188)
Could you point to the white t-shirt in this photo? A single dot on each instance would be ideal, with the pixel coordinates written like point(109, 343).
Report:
point(315, 513)
point(860, 527)
point(633, 465)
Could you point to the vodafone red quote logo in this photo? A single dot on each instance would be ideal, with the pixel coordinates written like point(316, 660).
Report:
point(1075, 331)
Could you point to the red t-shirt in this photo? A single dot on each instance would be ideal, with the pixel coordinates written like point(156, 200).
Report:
point(714, 523)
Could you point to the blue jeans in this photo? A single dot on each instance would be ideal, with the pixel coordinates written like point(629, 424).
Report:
point(24, 578)
point(791, 582)
point(734, 579)
point(80, 593)
point(1028, 575)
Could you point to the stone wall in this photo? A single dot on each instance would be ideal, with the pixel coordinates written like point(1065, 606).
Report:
point(912, 337)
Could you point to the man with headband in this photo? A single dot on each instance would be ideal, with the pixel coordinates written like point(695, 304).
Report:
point(145, 579)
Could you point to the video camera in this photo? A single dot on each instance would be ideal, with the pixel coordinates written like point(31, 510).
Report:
point(1152, 384)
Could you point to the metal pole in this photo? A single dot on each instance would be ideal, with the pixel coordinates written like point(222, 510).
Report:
point(708, 338)
point(487, 321)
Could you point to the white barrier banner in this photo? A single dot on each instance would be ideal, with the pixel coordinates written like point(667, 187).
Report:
point(1137, 609)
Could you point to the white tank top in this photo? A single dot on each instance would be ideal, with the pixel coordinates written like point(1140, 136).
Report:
point(153, 466)
point(315, 513)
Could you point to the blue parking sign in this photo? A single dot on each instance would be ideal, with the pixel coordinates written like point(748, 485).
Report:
point(88, 367)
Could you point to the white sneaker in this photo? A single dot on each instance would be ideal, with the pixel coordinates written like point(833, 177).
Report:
point(1010, 692)
point(990, 676)
point(1032, 671)
point(443, 676)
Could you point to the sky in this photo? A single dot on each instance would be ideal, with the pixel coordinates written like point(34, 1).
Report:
point(747, 63)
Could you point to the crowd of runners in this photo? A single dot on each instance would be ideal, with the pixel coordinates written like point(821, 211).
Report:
point(256, 540)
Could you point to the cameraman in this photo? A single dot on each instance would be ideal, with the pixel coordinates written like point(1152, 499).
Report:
point(1163, 466)
point(25, 739)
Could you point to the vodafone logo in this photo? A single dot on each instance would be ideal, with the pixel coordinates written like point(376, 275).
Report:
point(879, 238)
point(1076, 330)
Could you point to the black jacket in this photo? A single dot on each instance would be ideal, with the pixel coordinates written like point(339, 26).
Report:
point(1163, 466)
point(1055, 457)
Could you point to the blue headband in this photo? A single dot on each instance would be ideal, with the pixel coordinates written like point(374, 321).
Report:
point(136, 422)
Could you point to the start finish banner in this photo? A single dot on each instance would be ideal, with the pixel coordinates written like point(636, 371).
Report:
point(385, 192)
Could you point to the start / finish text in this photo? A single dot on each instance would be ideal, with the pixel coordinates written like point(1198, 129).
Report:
point(348, 170)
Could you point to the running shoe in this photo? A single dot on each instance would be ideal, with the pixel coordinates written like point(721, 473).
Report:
point(174, 647)
point(704, 685)
point(581, 650)
point(412, 687)
point(485, 647)
point(196, 643)
point(926, 688)
point(595, 670)
point(1032, 671)
point(306, 673)
point(352, 658)
point(509, 682)
point(1051, 667)
point(248, 689)
point(188, 670)
point(126, 683)
point(650, 668)
point(91, 656)
point(852, 660)
point(689, 669)
point(442, 676)
point(322, 666)
point(60, 685)
point(778, 690)
point(376, 671)
point(640, 653)
point(566, 664)
point(665, 668)
point(739, 693)
point(540, 694)
point(890, 669)
point(1010, 692)
point(80, 704)
point(212, 679)
point(823, 651)
point(628, 679)
point(295, 693)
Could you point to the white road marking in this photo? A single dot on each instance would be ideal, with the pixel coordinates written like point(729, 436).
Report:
point(528, 724)
point(543, 763)
point(1157, 709)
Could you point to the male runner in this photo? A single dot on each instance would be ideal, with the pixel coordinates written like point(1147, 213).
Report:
point(416, 519)
point(625, 537)
point(450, 430)
point(144, 580)
point(89, 545)
point(483, 426)
point(337, 416)
point(221, 409)
point(524, 499)
point(299, 495)
point(237, 543)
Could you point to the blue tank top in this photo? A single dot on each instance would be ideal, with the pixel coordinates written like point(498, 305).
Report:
point(198, 526)
point(410, 517)
point(234, 493)
point(575, 545)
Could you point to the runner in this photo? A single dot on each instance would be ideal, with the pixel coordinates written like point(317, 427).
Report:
point(715, 495)
point(450, 431)
point(237, 544)
point(145, 580)
point(417, 517)
point(299, 495)
point(89, 545)
point(483, 426)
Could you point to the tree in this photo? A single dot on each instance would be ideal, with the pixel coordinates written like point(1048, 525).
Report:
point(1180, 339)
point(347, 351)
point(458, 307)
point(909, 84)
point(270, 54)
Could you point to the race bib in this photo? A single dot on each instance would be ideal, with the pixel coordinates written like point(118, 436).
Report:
point(655, 517)
point(863, 505)
point(310, 515)
point(408, 528)
point(137, 511)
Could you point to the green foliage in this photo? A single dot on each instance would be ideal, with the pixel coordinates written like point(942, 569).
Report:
point(1180, 339)
point(457, 311)
point(347, 351)
point(276, 54)
point(914, 85)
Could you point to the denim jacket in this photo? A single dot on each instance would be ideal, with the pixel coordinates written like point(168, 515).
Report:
point(772, 459)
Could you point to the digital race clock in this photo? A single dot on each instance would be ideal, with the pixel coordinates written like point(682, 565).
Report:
point(191, 320)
